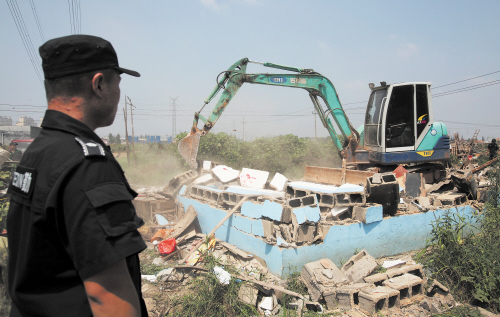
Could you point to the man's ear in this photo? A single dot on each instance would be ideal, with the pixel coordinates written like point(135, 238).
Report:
point(97, 84)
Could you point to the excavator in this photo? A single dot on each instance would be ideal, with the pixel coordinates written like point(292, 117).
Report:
point(399, 125)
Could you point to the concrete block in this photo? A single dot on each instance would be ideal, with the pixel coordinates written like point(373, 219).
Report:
point(258, 228)
point(272, 210)
point(304, 233)
point(423, 201)
point(339, 213)
point(254, 191)
point(253, 178)
point(320, 277)
point(452, 199)
point(278, 182)
point(268, 228)
point(386, 193)
point(350, 199)
point(415, 269)
point(436, 202)
point(410, 288)
point(368, 214)
point(286, 216)
point(348, 296)
point(378, 299)
point(207, 165)
point(248, 295)
point(285, 233)
point(203, 179)
point(359, 266)
point(376, 279)
point(225, 174)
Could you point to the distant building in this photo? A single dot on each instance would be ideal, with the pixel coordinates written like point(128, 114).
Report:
point(26, 122)
point(12, 132)
point(5, 121)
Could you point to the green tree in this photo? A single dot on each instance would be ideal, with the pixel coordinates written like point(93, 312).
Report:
point(111, 139)
point(118, 140)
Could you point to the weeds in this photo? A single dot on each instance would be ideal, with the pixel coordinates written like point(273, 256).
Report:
point(465, 253)
point(461, 311)
point(211, 297)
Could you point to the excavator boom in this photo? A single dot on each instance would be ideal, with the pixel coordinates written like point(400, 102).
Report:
point(318, 86)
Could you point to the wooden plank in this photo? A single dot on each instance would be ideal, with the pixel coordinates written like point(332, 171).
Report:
point(184, 222)
point(229, 214)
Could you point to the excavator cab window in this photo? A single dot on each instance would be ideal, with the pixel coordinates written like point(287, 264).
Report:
point(373, 135)
point(400, 122)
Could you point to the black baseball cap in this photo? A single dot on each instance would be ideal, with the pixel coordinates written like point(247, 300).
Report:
point(76, 54)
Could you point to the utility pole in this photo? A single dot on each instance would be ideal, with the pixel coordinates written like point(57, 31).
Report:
point(126, 132)
point(132, 122)
point(174, 111)
point(315, 136)
point(243, 128)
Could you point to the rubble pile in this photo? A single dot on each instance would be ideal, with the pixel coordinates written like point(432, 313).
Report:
point(361, 287)
point(298, 213)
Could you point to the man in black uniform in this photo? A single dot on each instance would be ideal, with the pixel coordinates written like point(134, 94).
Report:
point(493, 148)
point(72, 228)
point(15, 154)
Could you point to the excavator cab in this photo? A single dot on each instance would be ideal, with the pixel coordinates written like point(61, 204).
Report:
point(399, 126)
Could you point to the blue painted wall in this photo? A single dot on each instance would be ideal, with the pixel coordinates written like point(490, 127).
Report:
point(383, 238)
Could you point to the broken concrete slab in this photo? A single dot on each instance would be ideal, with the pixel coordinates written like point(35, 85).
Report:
point(225, 174)
point(410, 288)
point(423, 201)
point(203, 179)
point(359, 266)
point(452, 199)
point(278, 183)
point(248, 294)
point(379, 299)
point(376, 279)
point(368, 214)
point(253, 178)
point(317, 282)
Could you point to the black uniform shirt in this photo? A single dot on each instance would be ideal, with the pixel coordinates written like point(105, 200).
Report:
point(70, 217)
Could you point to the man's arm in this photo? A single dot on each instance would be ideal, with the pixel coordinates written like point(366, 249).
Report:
point(112, 293)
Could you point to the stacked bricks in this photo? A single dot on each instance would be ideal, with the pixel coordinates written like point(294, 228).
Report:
point(329, 200)
point(206, 193)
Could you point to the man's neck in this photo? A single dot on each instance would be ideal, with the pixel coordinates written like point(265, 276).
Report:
point(72, 106)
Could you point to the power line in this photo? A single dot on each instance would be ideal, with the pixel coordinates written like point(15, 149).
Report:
point(23, 33)
point(37, 20)
point(461, 81)
point(456, 91)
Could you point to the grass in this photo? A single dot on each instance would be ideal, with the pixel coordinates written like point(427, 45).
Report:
point(464, 254)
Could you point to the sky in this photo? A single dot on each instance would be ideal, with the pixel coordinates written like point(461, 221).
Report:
point(180, 47)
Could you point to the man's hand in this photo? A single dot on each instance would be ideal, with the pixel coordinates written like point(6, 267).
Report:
point(112, 293)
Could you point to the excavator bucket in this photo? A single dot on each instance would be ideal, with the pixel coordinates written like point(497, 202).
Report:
point(188, 148)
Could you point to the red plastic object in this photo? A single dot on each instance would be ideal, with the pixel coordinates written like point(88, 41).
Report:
point(167, 246)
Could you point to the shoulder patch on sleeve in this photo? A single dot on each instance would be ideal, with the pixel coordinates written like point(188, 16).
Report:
point(90, 148)
point(23, 181)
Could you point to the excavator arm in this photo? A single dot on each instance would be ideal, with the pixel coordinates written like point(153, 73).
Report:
point(318, 86)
